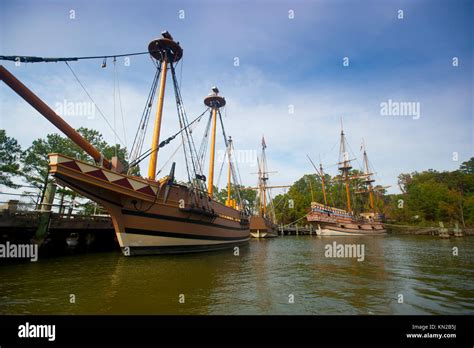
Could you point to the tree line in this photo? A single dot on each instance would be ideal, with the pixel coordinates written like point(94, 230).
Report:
point(426, 197)
point(31, 164)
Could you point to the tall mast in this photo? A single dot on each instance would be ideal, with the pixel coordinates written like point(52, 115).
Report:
point(262, 186)
point(345, 167)
point(214, 101)
point(368, 181)
point(260, 200)
point(263, 180)
point(311, 189)
point(323, 183)
point(166, 51)
point(229, 170)
point(320, 173)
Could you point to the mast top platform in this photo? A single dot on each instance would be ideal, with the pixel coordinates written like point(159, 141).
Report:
point(214, 100)
point(159, 48)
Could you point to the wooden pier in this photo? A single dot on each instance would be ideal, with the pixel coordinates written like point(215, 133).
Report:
point(295, 230)
point(64, 232)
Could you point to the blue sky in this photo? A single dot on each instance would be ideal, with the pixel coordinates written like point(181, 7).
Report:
point(283, 62)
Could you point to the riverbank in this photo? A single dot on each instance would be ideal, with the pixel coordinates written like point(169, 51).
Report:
point(417, 230)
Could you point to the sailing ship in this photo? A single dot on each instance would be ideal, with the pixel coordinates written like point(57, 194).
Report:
point(151, 215)
point(262, 224)
point(332, 221)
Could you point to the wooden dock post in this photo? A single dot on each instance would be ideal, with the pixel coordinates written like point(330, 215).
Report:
point(442, 231)
point(45, 214)
point(457, 231)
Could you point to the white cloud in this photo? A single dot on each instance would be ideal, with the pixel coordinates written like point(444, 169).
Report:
point(258, 106)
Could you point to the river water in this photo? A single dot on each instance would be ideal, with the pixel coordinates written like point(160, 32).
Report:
point(285, 275)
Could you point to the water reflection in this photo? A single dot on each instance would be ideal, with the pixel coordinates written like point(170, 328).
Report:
point(258, 281)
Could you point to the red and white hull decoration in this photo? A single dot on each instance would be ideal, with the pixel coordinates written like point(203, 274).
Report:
point(147, 222)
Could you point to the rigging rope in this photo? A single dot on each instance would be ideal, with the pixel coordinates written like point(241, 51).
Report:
point(173, 154)
point(292, 223)
point(165, 142)
point(137, 145)
point(204, 142)
point(233, 172)
point(92, 100)
point(183, 119)
point(121, 110)
point(222, 167)
point(33, 59)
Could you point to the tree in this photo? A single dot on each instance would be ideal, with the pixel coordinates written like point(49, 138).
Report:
point(468, 166)
point(10, 152)
point(434, 196)
point(35, 158)
point(297, 202)
point(403, 181)
point(246, 193)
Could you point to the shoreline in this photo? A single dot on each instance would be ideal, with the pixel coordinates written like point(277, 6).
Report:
point(419, 230)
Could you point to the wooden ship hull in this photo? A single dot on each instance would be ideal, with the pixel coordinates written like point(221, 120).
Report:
point(261, 227)
point(335, 222)
point(145, 221)
point(332, 221)
point(150, 216)
point(349, 230)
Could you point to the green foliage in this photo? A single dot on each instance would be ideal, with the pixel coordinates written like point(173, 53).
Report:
point(35, 158)
point(468, 166)
point(90, 208)
point(9, 159)
point(427, 197)
point(433, 196)
point(296, 203)
point(246, 193)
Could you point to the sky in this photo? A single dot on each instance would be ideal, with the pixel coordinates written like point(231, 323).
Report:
point(290, 84)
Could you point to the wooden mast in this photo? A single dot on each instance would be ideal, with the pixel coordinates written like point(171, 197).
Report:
point(167, 51)
point(320, 173)
point(368, 181)
point(214, 101)
point(228, 182)
point(264, 202)
point(323, 183)
point(311, 189)
point(157, 127)
point(260, 190)
point(345, 167)
point(229, 171)
point(264, 178)
point(262, 186)
point(210, 178)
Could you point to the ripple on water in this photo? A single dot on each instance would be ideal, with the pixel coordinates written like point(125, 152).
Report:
point(261, 280)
